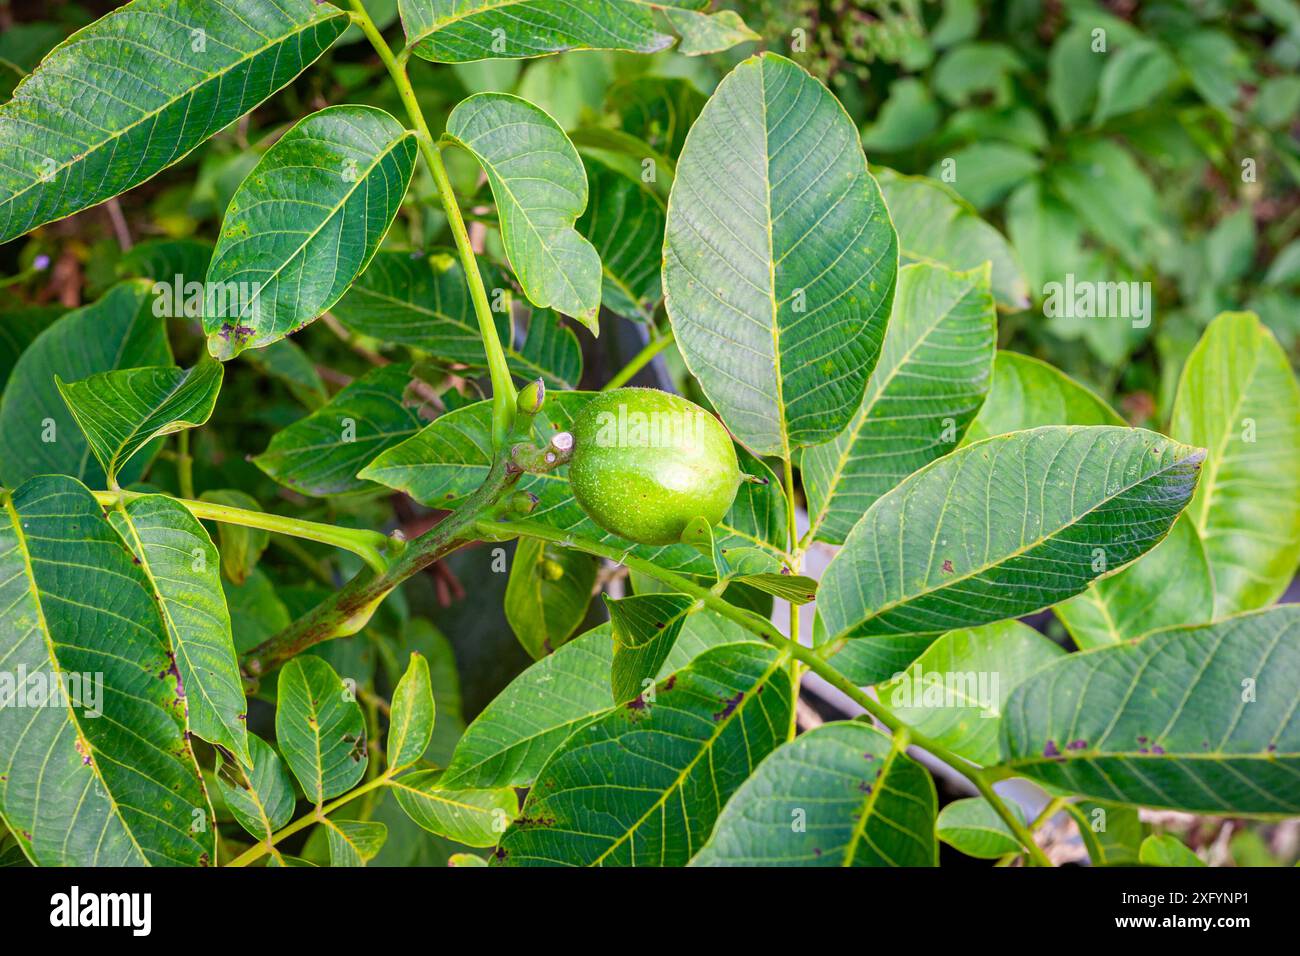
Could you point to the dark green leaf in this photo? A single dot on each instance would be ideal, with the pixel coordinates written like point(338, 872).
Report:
point(137, 90)
point(547, 594)
point(1201, 719)
point(840, 795)
point(625, 222)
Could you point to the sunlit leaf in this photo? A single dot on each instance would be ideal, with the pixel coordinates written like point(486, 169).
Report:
point(320, 729)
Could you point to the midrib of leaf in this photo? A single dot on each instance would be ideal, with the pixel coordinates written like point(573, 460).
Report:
point(1024, 547)
point(864, 411)
point(436, 795)
point(190, 92)
point(334, 211)
point(771, 280)
point(20, 537)
point(706, 748)
point(860, 828)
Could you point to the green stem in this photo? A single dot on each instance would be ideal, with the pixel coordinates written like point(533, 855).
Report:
point(793, 628)
point(805, 655)
point(503, 388)
point(185, 464)
point(639, 361)
point(318, 815)
point(369, 546)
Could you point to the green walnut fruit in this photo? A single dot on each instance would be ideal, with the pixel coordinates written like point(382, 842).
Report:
point(646, 462)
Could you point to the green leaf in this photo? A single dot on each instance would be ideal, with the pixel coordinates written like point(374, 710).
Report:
point(1112, 195)
point(519, 729)
point(122, 411)
point(484, 29)
point(540, 189)
point(120, 787)
point(354, 842)
point(547, 594)
point(283, 259)
point(974, 828)
point(241, 546)
point(19, 327)
point(1238, 397)
point(423, 638)
point(933, 373)
point(261, 799)
point(798, 589)
point(624, 220)
point(471, 817)
point(955, 691)
point(1216, 65)
point(180, 564)
point(423, 301)
point(1170, 586)
point(286, 362)
point(967, 71)
point(1201, 719)
point(657, 110)
point(1005, 527)
point(321, 454)
point(1073, 73)
point(644, 783)
point(410, 728)
point(133, 93)
point(1028, 393)
point(935, 225)
point(779, 258)
point(320, 729)
point(1165, 850)
point(256, 611)
point(983, 173)
point(1111, 833)
point(907, 118)
point(466, 859)
point(38, 435)
point(840, 795)
point(443, 464)
point(645, 627)
point(1132, 79)
point(164, 259)
point(708, 32)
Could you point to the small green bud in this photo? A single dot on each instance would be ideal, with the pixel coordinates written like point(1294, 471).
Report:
point(531, 397)
point(523, 502)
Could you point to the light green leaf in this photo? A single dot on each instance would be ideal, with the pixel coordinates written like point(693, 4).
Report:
point(861, 802)
point(1111, 833)
point(971, 69)
point(1170, 586)
point(180, 563)
point(241, 546)
point(983, 173)
point(645, 627)
point(1111, 194)
point(320, 455)
point(460, 31)
point(354, 842)
point(933, 373)
point(708, 32)
point(423, 301)
point(540, 188)
point(261, 799)
point(935, 225)
point(547, 594)
point(105, 776)
point(520, 728)
point(320, 729)
point(1132, 79)
point(796, 588)
point(974, 828)
point(1073, 73)
point(904, 120)
point(624, 220)
point(1238, 397)
point(1005, 527)
point(38, 435)
point(131, 94)
point(1201, 719)
point(282, 258)
point(644, 783)
point(466, 859)
point(122, 411)
point(1216, 65)
point(450, 458)
point(955, 691)
point(1165, 850)
point(1028, 393)
point(779, 258)
point(422, 637)
point(471, 817)
point(410, 728)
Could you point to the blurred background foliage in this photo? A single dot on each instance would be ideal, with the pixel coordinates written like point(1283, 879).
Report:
point(1156, 142)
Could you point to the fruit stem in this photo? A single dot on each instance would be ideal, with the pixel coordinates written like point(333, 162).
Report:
point(639, 361)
